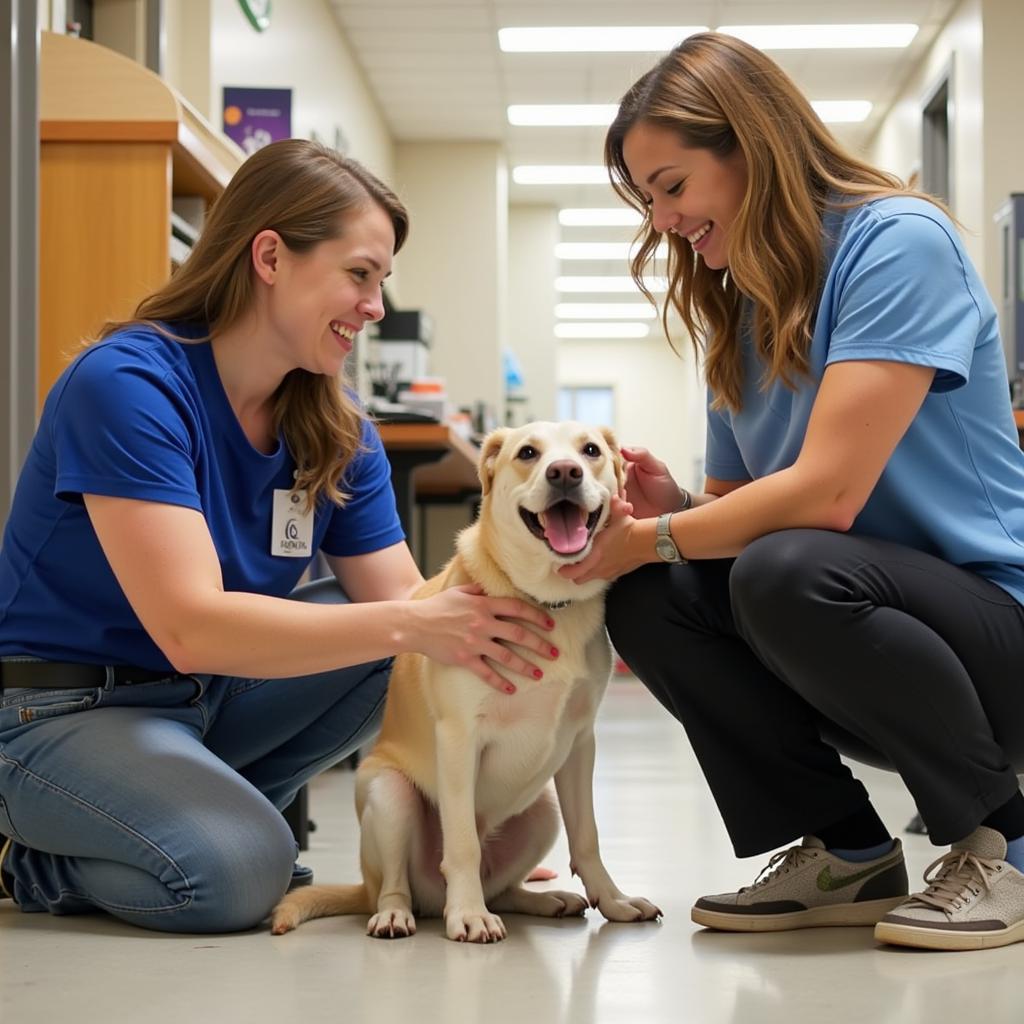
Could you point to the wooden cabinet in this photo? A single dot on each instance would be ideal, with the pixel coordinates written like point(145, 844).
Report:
point(116, 143)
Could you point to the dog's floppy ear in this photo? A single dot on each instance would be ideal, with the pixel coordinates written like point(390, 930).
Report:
point(617, 461)
point(489, 456)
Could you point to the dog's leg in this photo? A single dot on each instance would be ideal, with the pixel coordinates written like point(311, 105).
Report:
point(465, 914)
point(518, 845)
point(389, 828)
point(552, 903)
point(575, 784)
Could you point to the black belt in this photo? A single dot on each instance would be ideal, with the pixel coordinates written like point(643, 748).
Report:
point(70, 675)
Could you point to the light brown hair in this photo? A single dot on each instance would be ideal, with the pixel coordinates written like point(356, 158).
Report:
point(719, 93)
point(305, 192)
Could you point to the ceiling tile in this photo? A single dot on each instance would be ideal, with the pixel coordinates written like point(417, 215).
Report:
point(438, 73)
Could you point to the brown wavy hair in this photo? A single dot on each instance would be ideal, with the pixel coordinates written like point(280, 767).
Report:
point(303, 191)
point(719, 93)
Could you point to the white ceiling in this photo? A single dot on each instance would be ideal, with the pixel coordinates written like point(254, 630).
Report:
point(437, 72)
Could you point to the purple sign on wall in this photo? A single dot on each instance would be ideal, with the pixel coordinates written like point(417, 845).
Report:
point(256, 117)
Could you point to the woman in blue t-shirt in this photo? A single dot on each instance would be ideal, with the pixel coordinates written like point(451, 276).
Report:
point(160, 698)
point(851, 580)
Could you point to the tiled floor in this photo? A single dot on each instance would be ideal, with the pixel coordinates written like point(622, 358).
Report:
point(661, 838)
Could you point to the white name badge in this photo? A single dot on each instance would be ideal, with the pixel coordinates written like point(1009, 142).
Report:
point(291, 533)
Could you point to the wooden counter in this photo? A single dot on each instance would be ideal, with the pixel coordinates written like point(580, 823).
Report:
point(116, 142)
point(452, 473)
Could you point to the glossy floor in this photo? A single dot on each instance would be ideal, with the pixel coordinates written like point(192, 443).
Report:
point(661, 838)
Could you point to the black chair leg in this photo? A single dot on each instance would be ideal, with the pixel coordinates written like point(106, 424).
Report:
point(297, 816)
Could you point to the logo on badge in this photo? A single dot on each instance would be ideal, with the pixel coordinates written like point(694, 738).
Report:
point(291, 526)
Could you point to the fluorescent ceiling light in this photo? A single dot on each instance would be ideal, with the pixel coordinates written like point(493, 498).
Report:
point(822, 37)
point(605, 311)
point(658, 38)
point(841, 111)
point(572, 115)
point(598, 217)
point(601, 330)
point(562, 114)
point(594, 39)
point(603, 250)
point(606, 284)
point(560, 174)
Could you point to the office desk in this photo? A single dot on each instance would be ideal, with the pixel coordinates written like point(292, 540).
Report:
point(429, 462)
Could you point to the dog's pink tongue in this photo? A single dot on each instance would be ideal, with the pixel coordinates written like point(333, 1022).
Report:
point(565, 527)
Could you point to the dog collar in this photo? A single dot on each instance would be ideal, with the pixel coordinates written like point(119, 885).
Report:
point(555, 605)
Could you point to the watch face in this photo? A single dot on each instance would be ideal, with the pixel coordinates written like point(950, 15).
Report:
point(666, 550)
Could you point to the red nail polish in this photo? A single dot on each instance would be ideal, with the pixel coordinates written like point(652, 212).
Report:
point(510, 688)
point(554, 652)
point(551, 623)
point(537, 674)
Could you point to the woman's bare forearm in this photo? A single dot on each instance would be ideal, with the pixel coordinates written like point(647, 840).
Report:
point(268, 637)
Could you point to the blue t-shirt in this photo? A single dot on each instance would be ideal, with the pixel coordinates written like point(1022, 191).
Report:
point(900, 287)
point(142, 416)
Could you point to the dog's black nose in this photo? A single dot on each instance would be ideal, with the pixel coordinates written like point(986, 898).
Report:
point(565, 473)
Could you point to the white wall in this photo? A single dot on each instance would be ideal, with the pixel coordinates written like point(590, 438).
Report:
point(187, 54)
point(454, 265)
point(303, 50)
point(982, 44)
point(897, 144)
point(659, 400)
point(533, 233)
point(1003, 156)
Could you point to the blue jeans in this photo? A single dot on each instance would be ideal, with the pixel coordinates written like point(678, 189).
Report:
point(160, 803)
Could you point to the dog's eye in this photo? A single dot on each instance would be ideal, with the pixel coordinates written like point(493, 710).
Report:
point(526, 453)
point(591, 450)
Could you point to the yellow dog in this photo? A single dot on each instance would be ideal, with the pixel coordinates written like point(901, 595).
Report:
point(454, 801)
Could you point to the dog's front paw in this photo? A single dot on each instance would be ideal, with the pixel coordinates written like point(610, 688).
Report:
point(626, 908)
point(474, 926)
point(392, 924)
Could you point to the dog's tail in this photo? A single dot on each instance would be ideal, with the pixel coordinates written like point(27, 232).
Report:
point(319, 901)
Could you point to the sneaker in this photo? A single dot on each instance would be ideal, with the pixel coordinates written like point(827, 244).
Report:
point(808, 887)
point(974, 900)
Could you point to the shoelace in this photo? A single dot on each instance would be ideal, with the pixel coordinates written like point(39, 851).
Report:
point(780, 863)
point(955, 881)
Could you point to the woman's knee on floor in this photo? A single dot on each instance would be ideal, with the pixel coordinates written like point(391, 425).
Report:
point(236, 875)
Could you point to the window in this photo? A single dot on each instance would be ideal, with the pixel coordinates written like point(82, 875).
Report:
point(591, 404)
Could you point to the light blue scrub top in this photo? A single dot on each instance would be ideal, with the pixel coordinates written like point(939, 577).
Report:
point(900, 287)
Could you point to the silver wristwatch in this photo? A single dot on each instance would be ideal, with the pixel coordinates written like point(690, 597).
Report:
point(664, 545)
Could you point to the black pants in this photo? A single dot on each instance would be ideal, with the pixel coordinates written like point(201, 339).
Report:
point(812, 642)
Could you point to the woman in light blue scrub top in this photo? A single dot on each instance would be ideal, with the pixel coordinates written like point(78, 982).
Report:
point(851, 577)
